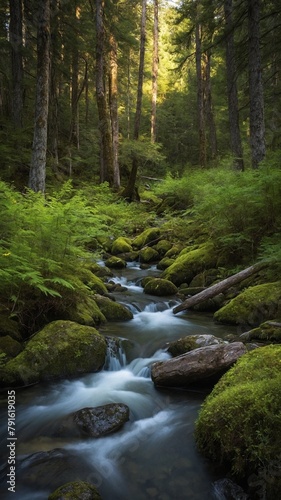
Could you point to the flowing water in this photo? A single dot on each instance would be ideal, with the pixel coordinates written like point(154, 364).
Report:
point(154, 455)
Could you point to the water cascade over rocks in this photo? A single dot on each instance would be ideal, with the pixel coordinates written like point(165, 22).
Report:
point(153, 454)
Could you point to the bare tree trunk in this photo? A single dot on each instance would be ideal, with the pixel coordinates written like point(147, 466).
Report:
point(16, 39)
point(113, 97)
point(212, 132)
point(200, 97)
point(37, 174)
point(220, 287)
point(155, 64)
point(233, 109)
point(129, 191)
point(257, 127)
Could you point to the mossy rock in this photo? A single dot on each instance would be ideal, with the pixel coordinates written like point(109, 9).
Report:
point(9, 327)
point(92, 281)
point(148, 254)
point(240, 421)
point(115, 263)
point(85, 312)
point(160, 287)
point(188, 265)
point(269, 331)
point(101, 271)
point(148, 236)
point(175, 250)
point(10, 346)
point(113, 311)
point(145, 280)
point(62, 349)
point(77, 490)
point(253, 306)
point(121, 245)
point(165, 263)
point(162, 247)
point(191, 342)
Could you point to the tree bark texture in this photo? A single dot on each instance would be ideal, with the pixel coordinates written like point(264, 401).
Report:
point(16, 41)
point(155, 64)
point(113, 98)
point(231, 74)
point(37, 174)
point(220, 287)
point(210, 119)
point(106, 168)
point(257, 127)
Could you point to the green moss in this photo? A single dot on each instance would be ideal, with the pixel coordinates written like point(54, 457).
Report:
point(121, 245)
point(240, 420)
point(61, 349)
point(115, 263)
point(85, 312)
point(186, 266)
point(75, 491)
point(112, 310)
point(148, 254)
point(162, 247)
point(175, 250)
point(165, 263)
point(253, 306)
point(268, 331)
point(160, 287)
point(92, 281)
point(148, 236)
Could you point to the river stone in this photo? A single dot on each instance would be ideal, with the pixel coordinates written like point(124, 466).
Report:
point(160, 287)
point(78, 490)
point(121, 245)
point(113, 311)
point(115, 262)
point(148, 254)
point(148, 236)
point(190, 342)
point(62, 349)
point(269, 331)
point(94, 422)
point(202, 364)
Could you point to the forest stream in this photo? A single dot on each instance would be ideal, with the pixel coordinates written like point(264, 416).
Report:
point(154, 455)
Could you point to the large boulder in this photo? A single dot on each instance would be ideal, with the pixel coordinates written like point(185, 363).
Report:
point(62, 349)
point(148, 254)
point(269, 331)
point(239, 422)
point(189, 264)
point(160, 287)
point(115, 262)
point(77, 490)
point(204, 364)
point(84, 311)
point(121, 245)
point(94, 422)
point(191, 342)
point(148, 236)
point(253, 306)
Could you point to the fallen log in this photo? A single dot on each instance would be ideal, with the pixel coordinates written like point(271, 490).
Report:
point(220, 287)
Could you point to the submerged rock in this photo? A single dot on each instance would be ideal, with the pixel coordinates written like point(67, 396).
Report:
point(94, 422)
point(62, 349)
point(200, 365)
point(160, 287)
point(78, 490)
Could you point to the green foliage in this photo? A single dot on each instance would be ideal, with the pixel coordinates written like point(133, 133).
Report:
point(240, 420)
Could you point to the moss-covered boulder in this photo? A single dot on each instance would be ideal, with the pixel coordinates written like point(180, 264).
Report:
point(240, 420)
point(175, 250)
point(115, 262)
point(269, 331)
point(253, 306)
point(62, 349)
point(77, 490)
point(165, 263)
point(189, 264)
point(160, 287)
point(121, 245)
point(162, 247)
point(84, 311)
point(146, 237)
point(10, 346)
point(92, 281)
point(9, 326)
point(113, 311)
point(100, 271)
point(148, 254)
point(190, 342)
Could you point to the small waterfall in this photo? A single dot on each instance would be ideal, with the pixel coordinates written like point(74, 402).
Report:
point(116, 356)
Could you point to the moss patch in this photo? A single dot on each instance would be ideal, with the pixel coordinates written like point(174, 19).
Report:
point(160, 287)
point(147, 236)
point(121, 245)
point(75, 490)
point(112, 310)
point(253, 306)
point(148, 255)
point(268, 331)
point(115, 263)
point(240, 420)
point(61, 349)
point(189, 264)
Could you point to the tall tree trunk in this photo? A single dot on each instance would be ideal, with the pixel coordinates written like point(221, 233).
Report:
point(37, 174)
point(231, 73)
point(16, 40)
point(257, 127)
point(74, 124)
point(129, 191)
point(113, 99)
point(210, 119)
point(155, 64)
point(200, 96)
point(106, 167)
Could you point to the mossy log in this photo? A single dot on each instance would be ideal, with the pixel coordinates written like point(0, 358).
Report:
point(220, 287)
